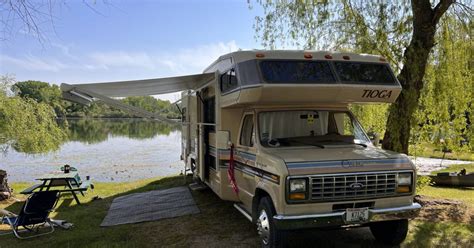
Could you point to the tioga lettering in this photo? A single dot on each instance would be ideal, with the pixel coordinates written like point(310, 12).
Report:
point(377, 94)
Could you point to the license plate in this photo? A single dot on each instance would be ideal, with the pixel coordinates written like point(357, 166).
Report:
point(358, 215)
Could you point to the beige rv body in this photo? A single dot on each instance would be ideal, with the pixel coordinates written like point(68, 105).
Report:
point(299, 157)
point(261, 170)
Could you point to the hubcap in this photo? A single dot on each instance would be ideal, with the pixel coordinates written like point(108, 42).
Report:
point(263, 227)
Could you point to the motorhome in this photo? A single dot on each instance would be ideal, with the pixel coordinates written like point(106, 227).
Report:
point(272, 131)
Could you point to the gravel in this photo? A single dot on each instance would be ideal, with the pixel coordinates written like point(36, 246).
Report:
point(426, 165)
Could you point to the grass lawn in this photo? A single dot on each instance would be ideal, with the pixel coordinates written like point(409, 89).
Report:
point(431, 151)
point(218, 225)
point(465, 195)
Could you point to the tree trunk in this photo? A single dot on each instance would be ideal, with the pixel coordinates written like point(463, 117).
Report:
point(425, 20)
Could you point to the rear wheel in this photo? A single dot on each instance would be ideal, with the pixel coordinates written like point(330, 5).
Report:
point(270, 236)
point(390, 232)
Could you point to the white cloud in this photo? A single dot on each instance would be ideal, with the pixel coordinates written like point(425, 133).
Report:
point(65, 50)
point(189, 60)
point(104, 66)
point(109, 60)
point(33, 63)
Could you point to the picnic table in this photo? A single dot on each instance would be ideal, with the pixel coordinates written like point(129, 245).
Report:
point(71, 183)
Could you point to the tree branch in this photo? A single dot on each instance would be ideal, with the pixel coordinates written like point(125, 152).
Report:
point(440, 9)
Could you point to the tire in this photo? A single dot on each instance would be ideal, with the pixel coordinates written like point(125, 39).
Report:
point(270, 236)
point(390, 232)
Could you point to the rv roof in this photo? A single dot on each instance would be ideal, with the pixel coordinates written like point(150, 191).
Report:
point(241, 56)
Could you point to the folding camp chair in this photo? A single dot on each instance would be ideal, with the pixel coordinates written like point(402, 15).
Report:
point(33, 215)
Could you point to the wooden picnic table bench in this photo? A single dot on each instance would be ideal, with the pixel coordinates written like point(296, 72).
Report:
point(70, 181)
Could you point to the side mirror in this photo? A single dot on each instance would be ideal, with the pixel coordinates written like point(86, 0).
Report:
point(223, 139)
point(375, 139)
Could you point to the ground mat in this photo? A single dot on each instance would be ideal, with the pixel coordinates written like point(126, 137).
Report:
point(150, 206)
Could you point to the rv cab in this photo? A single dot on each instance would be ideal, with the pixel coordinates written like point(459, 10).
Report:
point(272, 132)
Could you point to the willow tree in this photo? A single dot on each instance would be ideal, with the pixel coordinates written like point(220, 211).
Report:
point(26, 125)
point(402, 31)
point(446, 106)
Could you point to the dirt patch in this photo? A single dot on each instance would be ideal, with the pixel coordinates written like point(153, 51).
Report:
point(435, 210)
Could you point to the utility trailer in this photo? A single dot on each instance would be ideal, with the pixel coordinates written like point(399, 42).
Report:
point(272, 132)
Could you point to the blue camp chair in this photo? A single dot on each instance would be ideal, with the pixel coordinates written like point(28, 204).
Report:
point(33, 215)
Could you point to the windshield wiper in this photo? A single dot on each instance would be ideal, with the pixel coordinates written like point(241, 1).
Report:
point(353, 143)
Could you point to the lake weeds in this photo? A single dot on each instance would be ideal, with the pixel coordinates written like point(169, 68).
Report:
point(108, 150)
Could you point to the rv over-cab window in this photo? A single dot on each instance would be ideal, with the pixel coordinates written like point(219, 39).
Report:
point(364, 73)
point(228, 81)
point(247, 134)
point(297, 72)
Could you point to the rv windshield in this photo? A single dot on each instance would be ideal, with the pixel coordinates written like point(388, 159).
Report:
point(320, 128)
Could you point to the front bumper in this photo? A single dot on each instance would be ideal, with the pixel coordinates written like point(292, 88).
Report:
point(338, 218)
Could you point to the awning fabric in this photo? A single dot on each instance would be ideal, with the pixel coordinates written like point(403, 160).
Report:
point(143, 87)
point(87, 93)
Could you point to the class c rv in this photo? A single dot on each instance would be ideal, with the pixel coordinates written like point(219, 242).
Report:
point(272, 132)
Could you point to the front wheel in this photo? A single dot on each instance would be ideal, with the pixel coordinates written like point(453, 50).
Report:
point(390, 232)
point(269, 234)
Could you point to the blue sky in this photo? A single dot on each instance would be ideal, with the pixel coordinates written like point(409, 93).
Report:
point(128, 39)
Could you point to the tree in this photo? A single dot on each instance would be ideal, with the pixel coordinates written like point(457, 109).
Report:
point(41, 92)
point(446, 102)
point(403, 32)
point(26, 125)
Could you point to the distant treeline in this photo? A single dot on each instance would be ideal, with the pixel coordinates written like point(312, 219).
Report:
point(50, 94)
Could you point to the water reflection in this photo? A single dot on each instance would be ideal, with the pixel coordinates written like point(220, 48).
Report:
point(92, 131)
point(107, 150)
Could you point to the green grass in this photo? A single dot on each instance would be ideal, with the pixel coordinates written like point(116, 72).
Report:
point(216, 222)
point(439, 234)
point(456, 168)
point(218, 225)
point(431, 151)
point(465, 195)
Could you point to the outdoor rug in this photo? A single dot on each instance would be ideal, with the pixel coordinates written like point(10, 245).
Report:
point(150, 206)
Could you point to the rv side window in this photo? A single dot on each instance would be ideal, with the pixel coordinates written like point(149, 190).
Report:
point(364, 73)
point(247, 135)
point(228, 81)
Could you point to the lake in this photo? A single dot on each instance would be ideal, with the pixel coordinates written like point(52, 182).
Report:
point(108, 150)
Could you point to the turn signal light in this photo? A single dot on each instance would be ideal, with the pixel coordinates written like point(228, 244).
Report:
point(308, 56)
point(403, 189)
point(297, 196)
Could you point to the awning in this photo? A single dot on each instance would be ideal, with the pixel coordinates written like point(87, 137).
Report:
point(145, 87)
point(87, 93)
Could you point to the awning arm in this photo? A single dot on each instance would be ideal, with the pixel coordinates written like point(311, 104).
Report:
point(86, 97)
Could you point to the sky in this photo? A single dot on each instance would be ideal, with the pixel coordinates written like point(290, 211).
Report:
point(114, 40)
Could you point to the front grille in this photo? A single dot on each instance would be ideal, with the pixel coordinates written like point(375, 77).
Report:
point(353, 186)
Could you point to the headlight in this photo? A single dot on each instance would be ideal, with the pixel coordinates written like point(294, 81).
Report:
point(404, 182)
point(297, 185)
point(297, 189)
point(404, 179)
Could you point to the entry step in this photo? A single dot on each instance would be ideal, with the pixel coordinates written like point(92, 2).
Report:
point(197, 186)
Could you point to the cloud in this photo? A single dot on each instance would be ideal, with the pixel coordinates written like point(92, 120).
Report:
point(33, 63)
point(71, 66)
point(190, 60)
point(200, 57)
point(65, 50)
point(109, 60)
